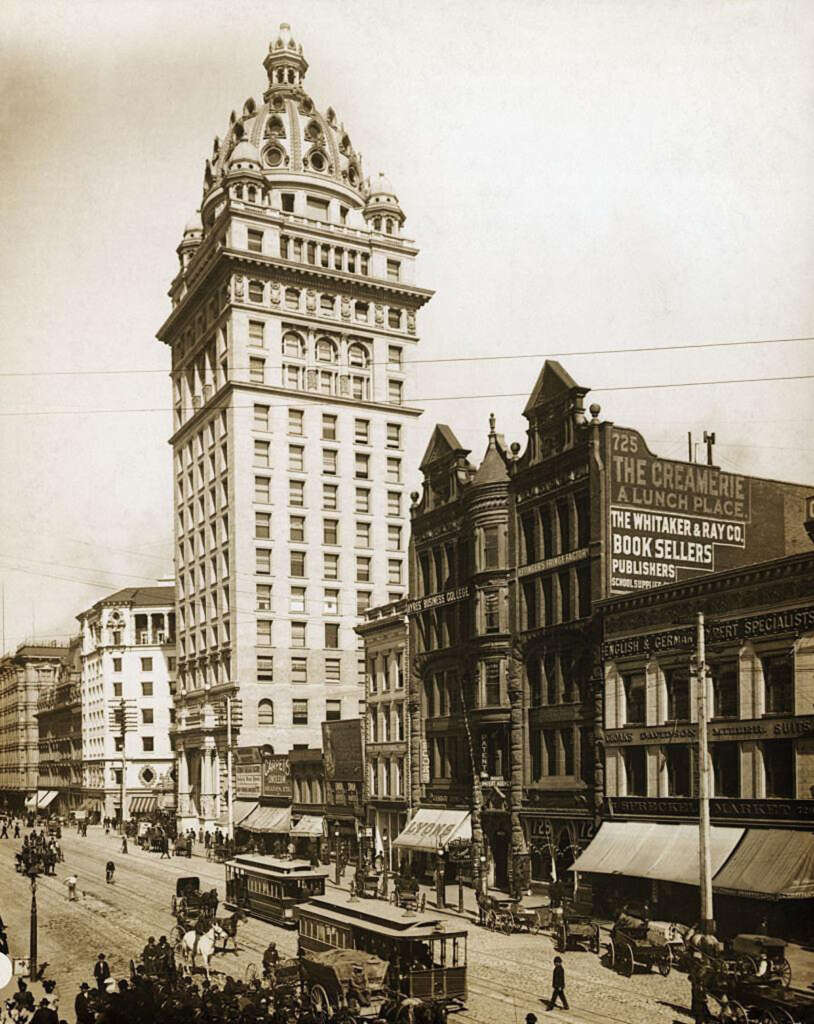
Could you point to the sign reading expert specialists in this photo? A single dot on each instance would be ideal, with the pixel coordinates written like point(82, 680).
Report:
point(670, 520)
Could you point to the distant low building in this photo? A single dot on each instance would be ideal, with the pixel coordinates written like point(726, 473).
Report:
point(59, 721)
point(128, 668)
point(23, 676)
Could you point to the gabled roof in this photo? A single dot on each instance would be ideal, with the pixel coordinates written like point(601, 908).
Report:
point(443, 443)
point(552, 383)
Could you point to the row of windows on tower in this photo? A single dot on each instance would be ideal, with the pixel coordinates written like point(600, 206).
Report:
point(330, 566)
point(298, 669)
point(329, 428)
point(330, 497)
point(363, 462)
point(299, 712)
point(362, 538)
point(354, 352)
point(330, 604)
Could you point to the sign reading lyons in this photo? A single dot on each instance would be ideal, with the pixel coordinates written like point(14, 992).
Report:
point(668, 519)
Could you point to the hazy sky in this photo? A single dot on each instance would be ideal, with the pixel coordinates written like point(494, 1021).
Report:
point(579, 176)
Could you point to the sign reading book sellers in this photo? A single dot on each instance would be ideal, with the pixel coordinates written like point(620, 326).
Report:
point(669, 520)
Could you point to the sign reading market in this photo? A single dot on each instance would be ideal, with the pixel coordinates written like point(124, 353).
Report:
point(668, 519)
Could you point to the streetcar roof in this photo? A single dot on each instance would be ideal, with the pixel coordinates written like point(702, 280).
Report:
point(376, 916)
point(277, 866)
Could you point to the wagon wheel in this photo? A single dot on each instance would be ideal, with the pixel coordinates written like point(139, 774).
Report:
point(626, 959)
point(783, 972)
point(320, 1002)
point(665, 962)
point(595, 940)
point(611, 954)
point(741, 1016)
point(251, 973)
point(746, 966)
point(562, 938)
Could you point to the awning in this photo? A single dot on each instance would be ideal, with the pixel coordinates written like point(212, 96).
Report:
point(241, 809)
point(143, 804)
point(268, 819)
point(770, 863)
point(40, 799)
point(645, 849)
point(431, 828)
point(309, 825)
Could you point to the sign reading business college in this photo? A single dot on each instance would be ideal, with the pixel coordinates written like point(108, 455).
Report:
point(669, 519)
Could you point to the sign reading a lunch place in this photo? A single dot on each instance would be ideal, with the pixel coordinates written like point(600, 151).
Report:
point(669, 520)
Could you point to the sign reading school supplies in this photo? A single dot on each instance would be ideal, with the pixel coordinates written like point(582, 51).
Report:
point(670, 520)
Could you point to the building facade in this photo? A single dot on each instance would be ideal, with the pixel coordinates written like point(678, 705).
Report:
point(386, 722)
point(759, 654)
point(294, 316)
point(127, 684)
point(459, 645)
point(59, 727)
point(24, 675)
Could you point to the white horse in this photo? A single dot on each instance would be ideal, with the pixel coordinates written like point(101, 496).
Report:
point(192, 944)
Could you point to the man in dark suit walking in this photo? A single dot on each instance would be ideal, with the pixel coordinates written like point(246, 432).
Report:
point(101, 971)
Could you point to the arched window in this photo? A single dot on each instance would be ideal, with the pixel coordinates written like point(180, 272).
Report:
point(358, 355)
point(291, 75)
point(326, 351)
point(293, 345)
point(252, 194)
point(388, 226)
point(265, 713)
point(274, 127)
point(377, 223)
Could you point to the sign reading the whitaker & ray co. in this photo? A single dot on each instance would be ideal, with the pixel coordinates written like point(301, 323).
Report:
point(668, 519)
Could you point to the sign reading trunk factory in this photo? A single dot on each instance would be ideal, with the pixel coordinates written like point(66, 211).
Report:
point(668, 519)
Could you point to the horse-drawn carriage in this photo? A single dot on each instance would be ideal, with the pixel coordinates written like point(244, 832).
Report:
point(344, 979)
point(634, 943)
point(405, 893)
point(750, 979)
point(501, 914)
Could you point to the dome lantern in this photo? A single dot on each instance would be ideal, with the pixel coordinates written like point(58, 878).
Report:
point(285, 63)
point(382, 210)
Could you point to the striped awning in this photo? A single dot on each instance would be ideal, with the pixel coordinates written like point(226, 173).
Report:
point(275, 820)
point(42, 798)
point(241, 809)
point(143, 804)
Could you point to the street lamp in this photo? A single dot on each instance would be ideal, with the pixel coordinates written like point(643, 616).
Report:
point(336, 855)
point(33, 873)
point(385, 862)
point(440, 881)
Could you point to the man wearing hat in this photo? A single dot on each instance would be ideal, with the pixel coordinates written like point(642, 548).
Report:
point(531, 1018)
point(101, 971)
point(81, 1005)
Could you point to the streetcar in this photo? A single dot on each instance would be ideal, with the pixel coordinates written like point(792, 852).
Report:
point(427, 959)
point(271, 887)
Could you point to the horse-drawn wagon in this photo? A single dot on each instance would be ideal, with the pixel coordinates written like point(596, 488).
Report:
point(344, 978)
point(634, 943)
point(577, 930)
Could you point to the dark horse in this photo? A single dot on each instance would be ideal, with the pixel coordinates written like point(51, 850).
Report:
point(229, 927)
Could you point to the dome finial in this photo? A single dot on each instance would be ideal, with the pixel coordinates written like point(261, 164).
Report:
point(492, 422)
point(285, 63)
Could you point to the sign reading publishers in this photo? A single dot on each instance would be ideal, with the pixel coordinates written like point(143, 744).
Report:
point(668, 519)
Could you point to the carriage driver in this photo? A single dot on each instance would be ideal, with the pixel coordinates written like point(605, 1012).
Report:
point(270, 959)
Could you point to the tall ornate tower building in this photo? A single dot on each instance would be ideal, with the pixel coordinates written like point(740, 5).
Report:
point(294, 311)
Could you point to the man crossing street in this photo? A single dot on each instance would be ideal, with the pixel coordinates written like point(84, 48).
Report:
point(558, 985)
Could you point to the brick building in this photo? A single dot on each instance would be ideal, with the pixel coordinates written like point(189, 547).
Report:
point(59, 725)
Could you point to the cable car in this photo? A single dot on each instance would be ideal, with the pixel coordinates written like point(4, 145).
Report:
point(271, 887)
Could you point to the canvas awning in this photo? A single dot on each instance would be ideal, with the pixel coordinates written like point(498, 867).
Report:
point(143, 804)
point(646, 849)
point(309, 825)
point(241, 809)
point(770, 863)
point(431, 828)
point(275, 820)
point(40, 799)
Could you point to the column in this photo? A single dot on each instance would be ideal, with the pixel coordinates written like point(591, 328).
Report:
point(183, 783)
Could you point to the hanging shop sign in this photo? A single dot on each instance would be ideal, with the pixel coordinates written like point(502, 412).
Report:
point(276, 775)
point(248, 773)
point(437, 600)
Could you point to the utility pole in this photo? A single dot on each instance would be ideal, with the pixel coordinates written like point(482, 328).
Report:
point(689, 446)
point(478, 854)
point(709, 441)
point(705, 860)
point(229, 797)
point(121, 719)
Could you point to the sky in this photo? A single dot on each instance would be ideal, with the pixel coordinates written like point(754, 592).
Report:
point(582, 176)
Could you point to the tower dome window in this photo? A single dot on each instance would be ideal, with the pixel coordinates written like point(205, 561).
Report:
point(291, 76)
point(275, 128)
point(318, 161)
point(274, 156)
point(389, 226)
point(377, 223)
point(353, 175)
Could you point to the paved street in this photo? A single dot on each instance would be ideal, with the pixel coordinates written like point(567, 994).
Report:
point(508, 974)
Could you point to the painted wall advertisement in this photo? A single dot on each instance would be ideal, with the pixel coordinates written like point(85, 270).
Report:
point(259, 772)
point(670, 520)
point(342, 750)
point(276, 774)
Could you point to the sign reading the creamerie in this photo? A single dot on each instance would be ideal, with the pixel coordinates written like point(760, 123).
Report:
point(669, 519)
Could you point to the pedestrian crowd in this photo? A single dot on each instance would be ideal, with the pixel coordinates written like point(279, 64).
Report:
point(40, 851)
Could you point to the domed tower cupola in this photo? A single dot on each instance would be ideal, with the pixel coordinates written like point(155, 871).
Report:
point(284, 64)
point(244, 179)
point(193, 234)
point(382, 211)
